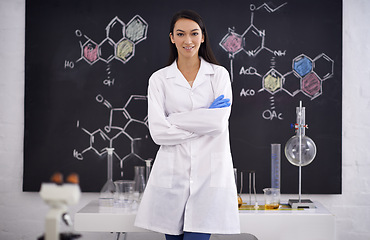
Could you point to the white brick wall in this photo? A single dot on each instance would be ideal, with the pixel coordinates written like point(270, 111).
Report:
point(22, 214)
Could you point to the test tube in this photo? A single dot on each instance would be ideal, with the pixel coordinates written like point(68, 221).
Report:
point(252, 184)
point(275, 165)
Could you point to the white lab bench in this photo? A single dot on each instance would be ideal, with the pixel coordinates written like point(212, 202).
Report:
point(305, 224)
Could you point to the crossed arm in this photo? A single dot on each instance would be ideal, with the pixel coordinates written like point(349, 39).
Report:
point(181, 127)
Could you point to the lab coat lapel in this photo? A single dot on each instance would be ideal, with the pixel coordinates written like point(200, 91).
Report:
point(204, 73)
point(174, 72)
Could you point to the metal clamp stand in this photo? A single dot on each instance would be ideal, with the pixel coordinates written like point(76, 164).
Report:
point(300, 126)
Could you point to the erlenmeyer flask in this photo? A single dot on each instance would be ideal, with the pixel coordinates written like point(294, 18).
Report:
point(106, 198)
point(139, 181)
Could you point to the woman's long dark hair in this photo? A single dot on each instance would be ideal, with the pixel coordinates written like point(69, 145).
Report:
point(205, 50)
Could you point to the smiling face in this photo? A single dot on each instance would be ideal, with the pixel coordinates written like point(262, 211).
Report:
point(187, 36)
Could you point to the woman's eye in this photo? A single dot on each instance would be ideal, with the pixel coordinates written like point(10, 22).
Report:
point(180, 34)
point(195, 34)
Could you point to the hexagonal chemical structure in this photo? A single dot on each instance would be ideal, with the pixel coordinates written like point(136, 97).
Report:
point(99, 141)
point(90, 51)
point(302, 65)
point(106, 50)
point(122, 145)
point(137, 102)
point(136, 29)
point(129, 162)
point(253, 39)
point(145, 147)
point(323, 66)
point(125, 50)
point(272, 81)
point(232, 42)
point(311, 85)
point(85, 141)
point(115, 30)
point(112, 132)
point(137, 129)
point(292, 84)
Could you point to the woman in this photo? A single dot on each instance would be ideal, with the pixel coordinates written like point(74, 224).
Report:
point(191, 191)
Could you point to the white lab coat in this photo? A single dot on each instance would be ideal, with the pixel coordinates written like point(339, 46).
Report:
point(191, 187)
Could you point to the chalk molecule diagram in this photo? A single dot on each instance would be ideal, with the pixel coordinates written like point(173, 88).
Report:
point(306, 76)
point(124, 131)
point(119, 43)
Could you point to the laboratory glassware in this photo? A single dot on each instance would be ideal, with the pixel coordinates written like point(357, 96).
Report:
point(240, 200)
point(106, 198)
point(252, 184)
point(124, 195)
point(148, 166)
point(272, 198)
point(140, 182)
point(275, 165)
point(300, 151)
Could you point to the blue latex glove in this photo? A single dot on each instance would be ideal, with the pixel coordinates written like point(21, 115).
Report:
point(220, 102)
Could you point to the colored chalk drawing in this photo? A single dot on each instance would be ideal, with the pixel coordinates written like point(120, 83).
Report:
point(306, 75)
point(125, 132)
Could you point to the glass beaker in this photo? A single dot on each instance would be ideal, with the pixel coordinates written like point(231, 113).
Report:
point(124, 195)
point(272, 198)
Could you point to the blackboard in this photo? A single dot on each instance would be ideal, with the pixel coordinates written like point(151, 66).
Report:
point(87, 65)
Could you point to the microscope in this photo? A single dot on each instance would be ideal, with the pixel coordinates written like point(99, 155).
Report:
point(58, 196)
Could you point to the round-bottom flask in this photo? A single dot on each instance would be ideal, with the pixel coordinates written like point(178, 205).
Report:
point(304, 155)
point(308, 150)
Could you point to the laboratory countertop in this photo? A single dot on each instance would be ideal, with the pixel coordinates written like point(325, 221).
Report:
point(285, 224)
